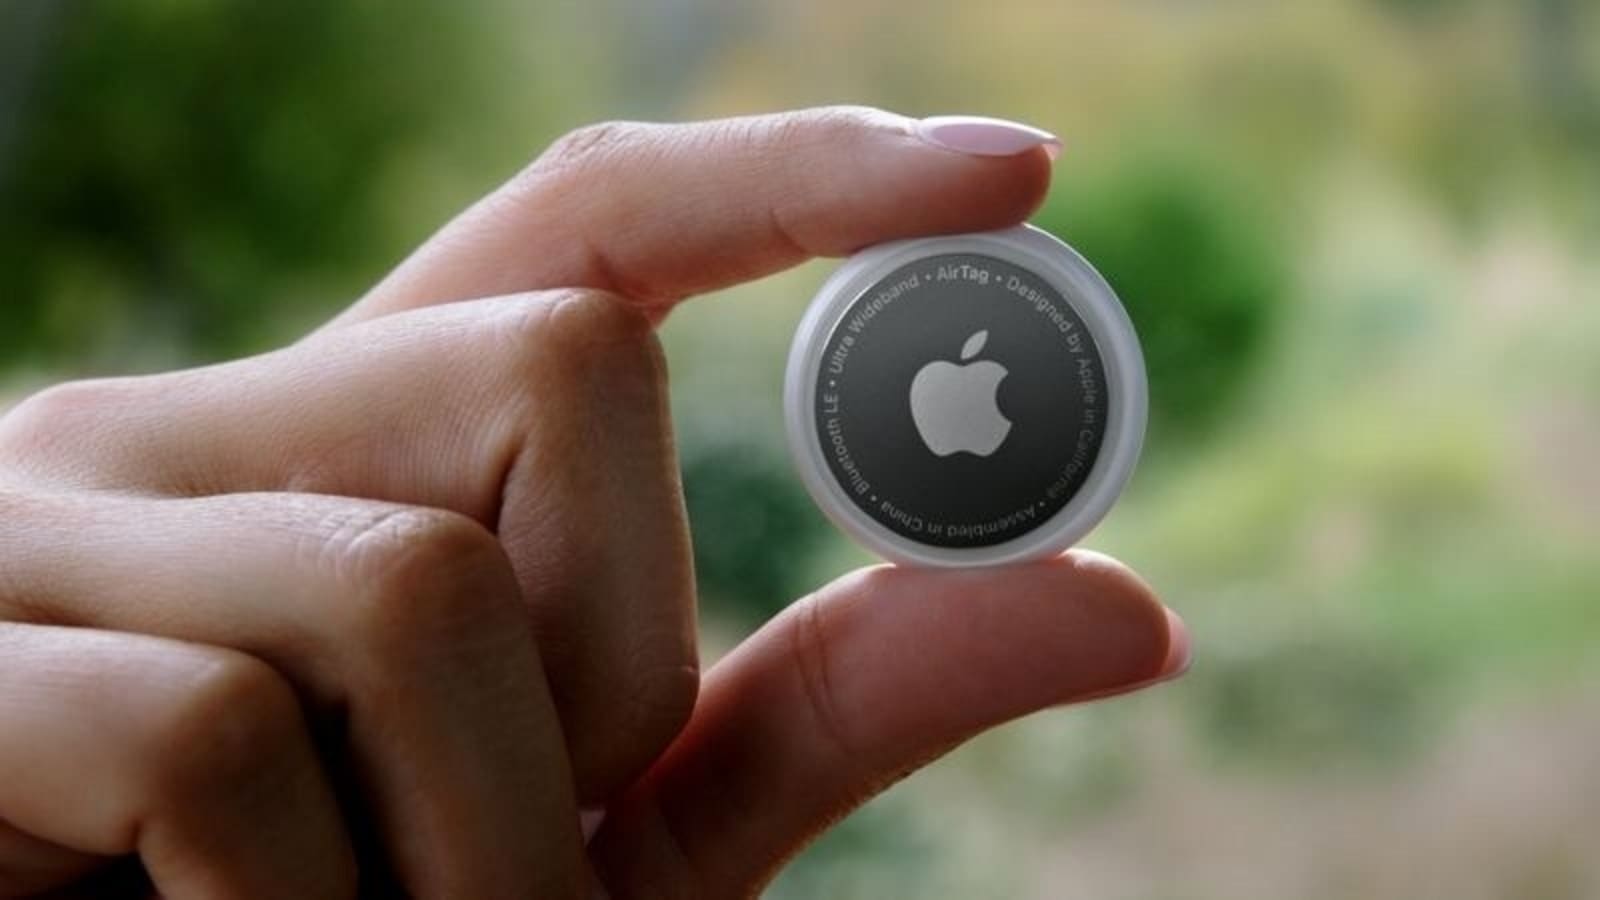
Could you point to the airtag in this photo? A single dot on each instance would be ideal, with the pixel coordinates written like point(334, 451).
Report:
point(966, 400)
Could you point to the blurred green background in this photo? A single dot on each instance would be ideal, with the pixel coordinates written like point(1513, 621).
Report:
point(1361, 240)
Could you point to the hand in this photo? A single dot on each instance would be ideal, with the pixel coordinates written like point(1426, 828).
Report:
point(403, 597)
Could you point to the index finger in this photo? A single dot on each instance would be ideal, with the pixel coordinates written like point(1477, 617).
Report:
point(658, 212)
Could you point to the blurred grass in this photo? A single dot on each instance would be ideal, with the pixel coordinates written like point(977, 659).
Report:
point(1360, 241)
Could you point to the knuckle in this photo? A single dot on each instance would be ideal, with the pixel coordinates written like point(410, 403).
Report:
point(834, 124)
point(583, 337)
point(589, 145)
point(582, 321)
point(421, 575)
point(234, 713)
point(43, 422)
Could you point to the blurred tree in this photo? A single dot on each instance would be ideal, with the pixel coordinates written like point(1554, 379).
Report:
point(1334, 698)
point(1425, 12)
point(755, 530)
point(1192, 259)
point(195, 175)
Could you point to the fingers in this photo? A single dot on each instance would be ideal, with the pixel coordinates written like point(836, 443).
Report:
point(403, 628)
point(195, 758)
point(543, 418)
point(849, 690)
point(658, 212)
point(592, 518)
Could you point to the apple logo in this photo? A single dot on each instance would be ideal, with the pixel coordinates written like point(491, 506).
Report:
point(954, 405)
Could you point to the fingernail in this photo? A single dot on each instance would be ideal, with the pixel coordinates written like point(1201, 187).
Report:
point(983, 136)
point(589, 820)
point(1180, 651)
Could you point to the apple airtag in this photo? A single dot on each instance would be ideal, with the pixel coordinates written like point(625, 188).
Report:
point(966, 400)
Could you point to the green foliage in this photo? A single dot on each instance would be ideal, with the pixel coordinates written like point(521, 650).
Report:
point(755, 530)
point(1060, 769)
point(188, 167)
point(1311, 702)
point(1424, 11)
point(1191, 258)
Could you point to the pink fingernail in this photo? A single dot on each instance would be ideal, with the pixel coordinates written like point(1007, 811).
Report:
point(1180, 650)
point(983, 136)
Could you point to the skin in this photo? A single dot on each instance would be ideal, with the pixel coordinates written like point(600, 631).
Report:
point(384, 609)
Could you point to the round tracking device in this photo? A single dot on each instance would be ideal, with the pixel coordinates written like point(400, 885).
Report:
point(966, 400)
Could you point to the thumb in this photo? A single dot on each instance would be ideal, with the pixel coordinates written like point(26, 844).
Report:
point(857, 685)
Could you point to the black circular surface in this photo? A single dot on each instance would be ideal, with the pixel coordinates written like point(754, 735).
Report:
point(948, 482)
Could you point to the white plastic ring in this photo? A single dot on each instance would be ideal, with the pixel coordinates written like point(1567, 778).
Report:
point(1102, 314)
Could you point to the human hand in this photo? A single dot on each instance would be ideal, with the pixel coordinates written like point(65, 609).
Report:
point(404, 596)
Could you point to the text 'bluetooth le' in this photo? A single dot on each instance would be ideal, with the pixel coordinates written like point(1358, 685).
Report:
point(966, 400)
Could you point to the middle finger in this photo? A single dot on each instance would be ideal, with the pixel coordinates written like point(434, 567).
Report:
point(543, 418)
point(402, 627)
